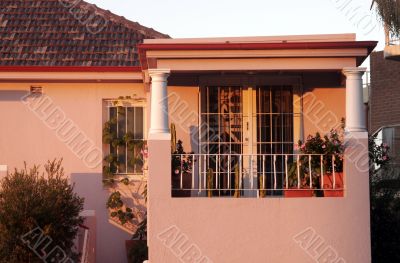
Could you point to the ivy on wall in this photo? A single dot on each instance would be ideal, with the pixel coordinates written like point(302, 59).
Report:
point(111, 177)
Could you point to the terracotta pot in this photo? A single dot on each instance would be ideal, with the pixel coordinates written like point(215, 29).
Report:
point(328, 184)
point(132, 244)
point(294, 192)
point(186, 183)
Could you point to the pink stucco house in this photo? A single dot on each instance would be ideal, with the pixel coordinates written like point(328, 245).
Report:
point(239, 105)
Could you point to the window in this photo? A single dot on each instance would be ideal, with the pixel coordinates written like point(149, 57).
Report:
point(125, 138)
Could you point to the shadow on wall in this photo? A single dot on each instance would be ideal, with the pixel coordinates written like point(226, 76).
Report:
point(90, 186)
point(12, 95)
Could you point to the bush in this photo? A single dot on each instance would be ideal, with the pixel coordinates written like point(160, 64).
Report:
point(30, 200)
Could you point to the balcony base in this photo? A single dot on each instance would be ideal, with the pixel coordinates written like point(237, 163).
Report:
point(392, 52)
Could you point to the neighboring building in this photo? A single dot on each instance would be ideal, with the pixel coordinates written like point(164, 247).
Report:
point(385, 92)
point(240, 104)
point(384, 113)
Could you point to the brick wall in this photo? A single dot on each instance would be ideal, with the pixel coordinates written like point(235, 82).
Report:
point(385, 92)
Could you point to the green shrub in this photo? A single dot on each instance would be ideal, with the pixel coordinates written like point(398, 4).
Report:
point(31, 200)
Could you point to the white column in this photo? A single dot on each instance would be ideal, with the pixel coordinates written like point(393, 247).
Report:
point(159, 101)
point(355, 112)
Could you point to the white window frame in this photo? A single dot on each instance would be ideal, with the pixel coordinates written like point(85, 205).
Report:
point(127, 103)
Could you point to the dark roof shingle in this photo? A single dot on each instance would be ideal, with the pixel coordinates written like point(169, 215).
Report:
point(67, 33)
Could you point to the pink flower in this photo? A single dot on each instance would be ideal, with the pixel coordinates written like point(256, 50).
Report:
point(296, 147)
point(176, 171)
point(303, 146)
point(323, 146)
point(384, 157)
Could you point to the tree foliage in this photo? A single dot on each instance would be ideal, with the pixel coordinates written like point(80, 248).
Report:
point(389, 12)
point(30, 199)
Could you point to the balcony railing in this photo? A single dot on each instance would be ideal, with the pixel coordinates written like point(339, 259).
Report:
point(255, 175)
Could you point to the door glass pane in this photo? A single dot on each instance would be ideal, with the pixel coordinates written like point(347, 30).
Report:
point(275, 132)
point(222, 118)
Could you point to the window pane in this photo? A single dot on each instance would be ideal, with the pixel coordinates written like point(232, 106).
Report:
point(138, 132)
point(121, 133)
point(121, 121)
point(131, 119)
point(131, 159)
point(113, 150)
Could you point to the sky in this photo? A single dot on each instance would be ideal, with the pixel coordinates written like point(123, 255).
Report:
point(225, 18)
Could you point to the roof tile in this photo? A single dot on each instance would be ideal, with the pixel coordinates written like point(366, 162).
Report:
point(67, 33)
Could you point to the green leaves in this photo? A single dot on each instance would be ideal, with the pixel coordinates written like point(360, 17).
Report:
point(116, 204)
point(30, 199)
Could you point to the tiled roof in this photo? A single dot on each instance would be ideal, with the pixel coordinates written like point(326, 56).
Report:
point(67, 33)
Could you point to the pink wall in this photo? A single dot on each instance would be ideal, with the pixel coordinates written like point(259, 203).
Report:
point(26, 136)
point(259, 230)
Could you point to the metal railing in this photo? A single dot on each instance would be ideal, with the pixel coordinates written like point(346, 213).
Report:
point(225, 174)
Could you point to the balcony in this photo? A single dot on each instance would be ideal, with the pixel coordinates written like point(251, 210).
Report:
point(256, 175)
point(392, 47)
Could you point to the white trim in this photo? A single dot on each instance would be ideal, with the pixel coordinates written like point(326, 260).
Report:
point(281, 53)
point(257, 39)
point(87, 213)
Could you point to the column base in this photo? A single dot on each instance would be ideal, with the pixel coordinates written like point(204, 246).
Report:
point(159, 136)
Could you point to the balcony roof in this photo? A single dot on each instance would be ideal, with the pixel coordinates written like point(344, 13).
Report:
point(304, 46)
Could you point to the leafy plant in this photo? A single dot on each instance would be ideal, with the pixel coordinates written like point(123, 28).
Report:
point(31, 199)
point(378, 153)
point(330, 145)
point(116, 205)
point(139, 252)
point(181, 161)
point(210, 181)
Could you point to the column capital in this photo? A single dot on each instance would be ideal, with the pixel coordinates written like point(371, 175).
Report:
point(159, 73)
point(354, 71)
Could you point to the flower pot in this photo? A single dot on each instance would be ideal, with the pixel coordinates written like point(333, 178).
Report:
point(136, 250)
point(186, 184)
point(295, 192)
point(328, 185)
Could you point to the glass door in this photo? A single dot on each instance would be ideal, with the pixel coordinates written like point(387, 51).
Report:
point(242, 127)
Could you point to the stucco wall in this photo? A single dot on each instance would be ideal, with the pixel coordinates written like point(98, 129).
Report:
point(324, 102)
point(28, 134)
point(183, 111)
point(260, 230)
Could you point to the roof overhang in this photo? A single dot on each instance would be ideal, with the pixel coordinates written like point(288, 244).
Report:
point(71, 74)
point(310, 51)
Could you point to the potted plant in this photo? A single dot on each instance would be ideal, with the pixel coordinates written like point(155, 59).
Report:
point(137, 250)
point(332, 149)
point(136, 247)
point(296, 188)
point(181, 166)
